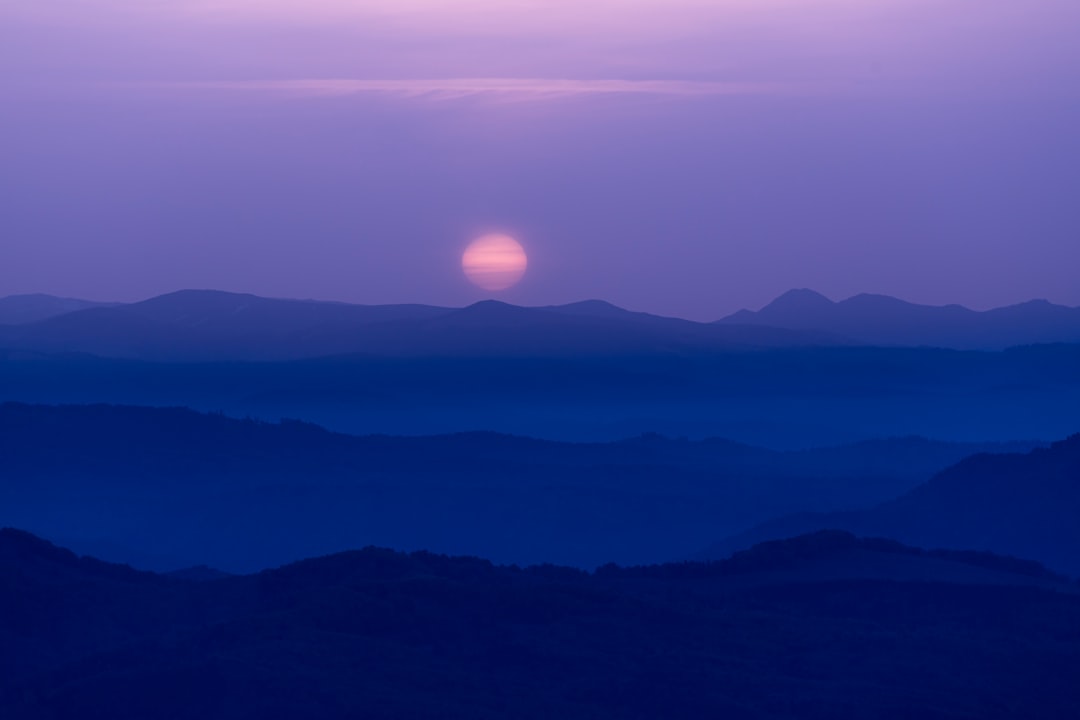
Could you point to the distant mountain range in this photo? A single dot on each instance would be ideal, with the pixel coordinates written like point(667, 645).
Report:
point(198, 325)
point(585, 371)
point(816, 628)
point(1015, 504)
point(202, 325)
point(25, 309)
point(883, 320)
point(169, 488)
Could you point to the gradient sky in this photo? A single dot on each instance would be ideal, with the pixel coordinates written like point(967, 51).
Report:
point(685, 157)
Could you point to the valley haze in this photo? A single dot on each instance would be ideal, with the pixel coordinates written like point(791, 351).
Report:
point(583, 372)
point(676, 359)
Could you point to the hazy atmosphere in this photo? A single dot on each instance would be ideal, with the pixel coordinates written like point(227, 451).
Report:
point(533, 359)
point(684, 158)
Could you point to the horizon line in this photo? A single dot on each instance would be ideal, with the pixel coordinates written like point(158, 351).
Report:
point(532, 307)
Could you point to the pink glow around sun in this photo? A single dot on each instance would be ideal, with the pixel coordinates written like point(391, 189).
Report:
point(494, 262)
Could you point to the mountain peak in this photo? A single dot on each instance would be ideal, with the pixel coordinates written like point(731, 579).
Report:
point(490, 310)
point(193, 295)
point(592, 304)
point(591, 308)
point(490, 306)
point(1039, 304)
point(884, 320)
point(799, 299)
point(876, 300)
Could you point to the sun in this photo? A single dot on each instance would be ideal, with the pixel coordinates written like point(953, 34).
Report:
point(494, 262)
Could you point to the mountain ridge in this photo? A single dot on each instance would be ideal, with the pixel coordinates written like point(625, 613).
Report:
point(202, 325)
point(26, 309)
point(881, 319)
point(1018, 504)
point(176, 485)
point(832, 625)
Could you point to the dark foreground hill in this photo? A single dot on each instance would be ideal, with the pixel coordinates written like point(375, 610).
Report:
point(1016, 504)
point(820, 627)
point(883, 320)
point(167, 488)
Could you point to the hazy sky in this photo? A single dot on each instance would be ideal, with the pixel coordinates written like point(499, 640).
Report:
point(686, 157)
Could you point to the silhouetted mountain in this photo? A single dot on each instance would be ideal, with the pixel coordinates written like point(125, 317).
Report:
point(198, 573)
point(883, 320)
point(825, 626)
point(231, 312)
point(206, 324)
point(595, 308)
point(167, 488)
point(209, 325)
point(23, 309)
point(1024, 505)
point(831, 555)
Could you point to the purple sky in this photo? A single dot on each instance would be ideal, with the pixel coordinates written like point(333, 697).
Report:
point(686, 157)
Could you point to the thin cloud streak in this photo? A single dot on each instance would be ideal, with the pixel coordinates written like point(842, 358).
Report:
point(519, 88)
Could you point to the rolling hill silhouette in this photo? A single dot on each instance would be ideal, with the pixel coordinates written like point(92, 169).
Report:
point(1015, 504)
point(205, 325)
point(823, 626)
point(883, 320)
point(23, 309)
point(212, 325)
point(171, 488)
